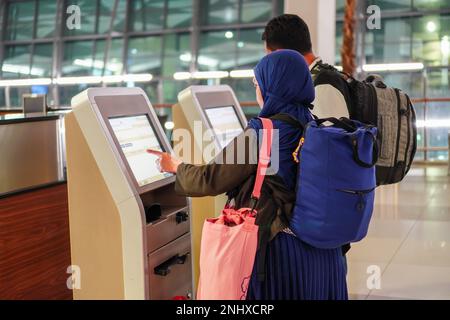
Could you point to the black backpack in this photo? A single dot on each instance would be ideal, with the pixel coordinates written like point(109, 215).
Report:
point(389, 109)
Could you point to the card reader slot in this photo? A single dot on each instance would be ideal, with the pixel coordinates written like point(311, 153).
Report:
point(174, 222)
point(168, 211)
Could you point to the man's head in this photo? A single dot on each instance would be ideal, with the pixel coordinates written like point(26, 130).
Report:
point(287, 31)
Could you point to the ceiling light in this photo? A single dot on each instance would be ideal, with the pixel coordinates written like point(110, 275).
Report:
point(242, 73)
point(182, 75)
point(229, 35)
point(25, 82)
point(412, 66)
point(210, 74)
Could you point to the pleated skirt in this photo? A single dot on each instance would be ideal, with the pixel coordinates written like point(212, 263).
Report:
point(297, 271)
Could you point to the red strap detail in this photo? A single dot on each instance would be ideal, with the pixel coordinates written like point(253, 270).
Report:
point(264, 156)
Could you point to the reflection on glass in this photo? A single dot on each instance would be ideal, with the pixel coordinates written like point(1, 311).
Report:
point(105, 15)
point(147, 15)
point(15, 95)
point(20, 20)
point(144, 55)
point(78, 58)
point(177, 53)
point(16, 63)
point(220, 11)
point(42, 60)
point(46, 19)
point(179, 13)
point(2, 98)
point(250, 48)
point(256, 11)
point(217, 51)
point(402, 5)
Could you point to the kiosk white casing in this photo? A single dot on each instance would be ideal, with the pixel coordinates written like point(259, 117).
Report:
point(189, 113)
point(112, 246)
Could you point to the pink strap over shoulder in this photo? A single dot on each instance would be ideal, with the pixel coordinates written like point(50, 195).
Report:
point(264, 156)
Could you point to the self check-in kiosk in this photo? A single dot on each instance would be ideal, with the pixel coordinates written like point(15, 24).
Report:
point(203, 109)
point(129, 231)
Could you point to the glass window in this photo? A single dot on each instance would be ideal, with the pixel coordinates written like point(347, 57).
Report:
point(42, 60)
point(105, 15)
point(250, 48)
point(403, 5)
point(66, 93)
point(431, 36)
point(437, 133)
point(147, 15)
point(15, 95)
point(338, 43)
point(220, 11)
point(179, 13)
point(115, 57)
point(435, 4)
point(151, 89)
point(144, 55)
point(438, 83)
point(78, 58)
point(20, 21)
point(99, 57)
point(420, 115)
point(46, 18)
point(390, 43)
point(88, 17)
point(340, 7)
point(411, 83)
point(16, 63)
point(256, 11)
point(2, 98)
point(243, 88)
point(177, 53)
point(172, 88)
point(217, 50)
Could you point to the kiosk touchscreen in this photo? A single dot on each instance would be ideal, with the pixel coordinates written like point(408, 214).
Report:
point(202, 109)
point(129, 231)
point(225, 123)
point(135, 135)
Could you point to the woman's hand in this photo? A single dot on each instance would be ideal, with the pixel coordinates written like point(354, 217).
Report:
point(165, 162)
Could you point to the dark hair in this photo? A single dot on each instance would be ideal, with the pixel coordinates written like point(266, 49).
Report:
point(288, 31)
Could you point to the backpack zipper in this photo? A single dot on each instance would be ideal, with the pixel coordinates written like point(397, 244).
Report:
point(398, 134)
point(408, 113)
point(374, 115)
point(361, 195)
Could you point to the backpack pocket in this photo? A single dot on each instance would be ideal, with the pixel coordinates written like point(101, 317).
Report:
point(386, 140)
point(355, 210)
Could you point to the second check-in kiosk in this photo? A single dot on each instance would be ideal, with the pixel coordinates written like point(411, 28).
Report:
point(213, 117)
point(129, 231)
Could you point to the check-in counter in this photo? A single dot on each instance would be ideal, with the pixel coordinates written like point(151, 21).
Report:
point(32, 152)
point(34, 235)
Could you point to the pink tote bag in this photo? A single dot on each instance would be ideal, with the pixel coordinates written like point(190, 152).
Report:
point(229, 242)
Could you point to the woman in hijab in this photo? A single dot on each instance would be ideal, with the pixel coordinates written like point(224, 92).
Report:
point(285, 267)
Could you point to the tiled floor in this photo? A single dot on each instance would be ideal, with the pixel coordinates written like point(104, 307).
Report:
point(408, 243)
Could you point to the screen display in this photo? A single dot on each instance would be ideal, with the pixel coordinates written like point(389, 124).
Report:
point(135, 135)
point(225, 123)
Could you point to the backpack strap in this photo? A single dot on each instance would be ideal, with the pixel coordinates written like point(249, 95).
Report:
point(263, 163)
point(287, 118)
point(264, 159)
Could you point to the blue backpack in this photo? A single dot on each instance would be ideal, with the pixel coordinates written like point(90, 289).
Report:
point(336, 181)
